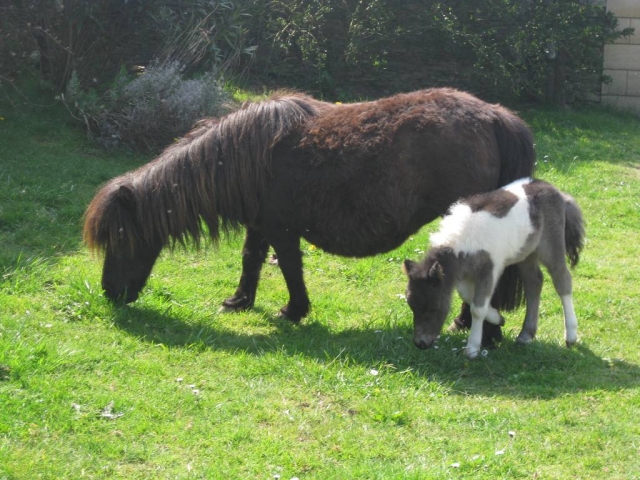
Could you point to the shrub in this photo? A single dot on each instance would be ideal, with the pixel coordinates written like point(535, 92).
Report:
point(148, 112)
point(95, 38)
point(501, 49)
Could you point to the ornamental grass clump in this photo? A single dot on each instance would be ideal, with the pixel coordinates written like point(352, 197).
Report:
point(149, 111)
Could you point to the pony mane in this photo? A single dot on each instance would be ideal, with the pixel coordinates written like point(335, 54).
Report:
point(214, 176)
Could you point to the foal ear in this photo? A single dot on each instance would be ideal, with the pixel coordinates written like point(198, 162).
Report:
point(436, 272)
point(126, 197)
point(408, 267)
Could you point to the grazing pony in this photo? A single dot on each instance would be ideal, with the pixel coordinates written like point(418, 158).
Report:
point(353, 179)
point(525, 223)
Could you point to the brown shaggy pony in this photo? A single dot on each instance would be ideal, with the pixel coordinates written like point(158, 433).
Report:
point(354, 179)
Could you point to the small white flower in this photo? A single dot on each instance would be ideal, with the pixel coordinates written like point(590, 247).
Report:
point(500, 452)
point(455, 465)
point(373, 372)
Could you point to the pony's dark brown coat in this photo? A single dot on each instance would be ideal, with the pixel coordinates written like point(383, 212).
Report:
point(354, 179)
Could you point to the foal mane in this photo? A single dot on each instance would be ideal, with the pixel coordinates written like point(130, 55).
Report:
point(214, 176)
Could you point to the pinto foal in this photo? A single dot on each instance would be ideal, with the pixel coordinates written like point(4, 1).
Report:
point(527, 222)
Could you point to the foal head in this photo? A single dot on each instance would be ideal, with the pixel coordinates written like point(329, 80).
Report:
point(114, 225)
point(429, 297)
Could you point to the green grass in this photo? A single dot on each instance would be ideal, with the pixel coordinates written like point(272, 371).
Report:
point(202, 394)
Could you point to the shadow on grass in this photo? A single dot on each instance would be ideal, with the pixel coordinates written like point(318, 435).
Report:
point(542, 369)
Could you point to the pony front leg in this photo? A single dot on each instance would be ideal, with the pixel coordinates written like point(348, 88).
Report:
point(287, 249)
point(475, 334)
point(254, 253)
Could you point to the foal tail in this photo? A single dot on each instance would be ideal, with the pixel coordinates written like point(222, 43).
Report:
point(573, 230)
point(517, 160)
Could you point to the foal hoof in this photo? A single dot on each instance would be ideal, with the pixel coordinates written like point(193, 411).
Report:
point(454, 327)
point(569, 343)
point(472, 354)
point(524, 340)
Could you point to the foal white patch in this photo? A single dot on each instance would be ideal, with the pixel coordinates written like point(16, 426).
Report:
point(503, 238)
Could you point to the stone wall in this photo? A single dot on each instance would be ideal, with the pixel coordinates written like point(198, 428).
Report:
point(622, 59)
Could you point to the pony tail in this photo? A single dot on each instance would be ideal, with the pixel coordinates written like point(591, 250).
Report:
point(517, 160)
point(515, 144)
point(509, 293)
point(573, 230)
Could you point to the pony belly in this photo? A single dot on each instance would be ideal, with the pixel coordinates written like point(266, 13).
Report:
point(357, 245)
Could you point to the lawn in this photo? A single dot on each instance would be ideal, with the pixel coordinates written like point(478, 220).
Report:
point(170, 387)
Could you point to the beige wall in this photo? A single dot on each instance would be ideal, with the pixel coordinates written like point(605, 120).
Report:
point(622, 59)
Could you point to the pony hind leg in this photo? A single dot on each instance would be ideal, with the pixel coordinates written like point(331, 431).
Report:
point(562, 282)
point(254, 253)
point(552, 258)
point(531, 277)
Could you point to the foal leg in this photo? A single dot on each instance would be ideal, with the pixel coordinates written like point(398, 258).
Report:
point(254, 253)
point(287, 249)
point(562, 282)
point(478, 294)
point(478, 315)
point(491, 332)
point(552, 257)
point(531, 276)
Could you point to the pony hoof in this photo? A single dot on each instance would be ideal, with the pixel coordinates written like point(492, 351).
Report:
point(524, 339)
point(236, 304)
point(286, 313)
point(472, 354)
point(569, 343)
point(454, 327)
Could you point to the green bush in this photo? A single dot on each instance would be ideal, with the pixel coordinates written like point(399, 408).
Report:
point(96, 38)
point(146, 112)
point(501, 49)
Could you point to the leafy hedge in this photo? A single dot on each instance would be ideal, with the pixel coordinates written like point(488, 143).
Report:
point(96, 38)
point(502, 49)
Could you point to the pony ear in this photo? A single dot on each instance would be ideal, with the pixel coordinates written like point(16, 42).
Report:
point(408, 266)
point(126, 197)
point(436, 272)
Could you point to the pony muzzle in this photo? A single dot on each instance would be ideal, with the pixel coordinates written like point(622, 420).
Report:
point(424, 341)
